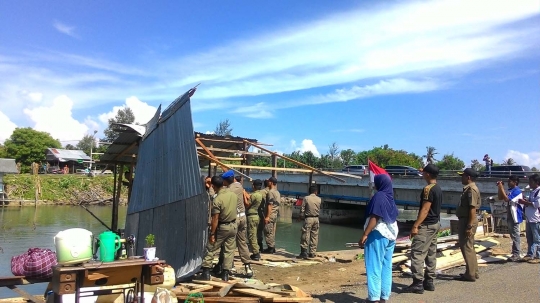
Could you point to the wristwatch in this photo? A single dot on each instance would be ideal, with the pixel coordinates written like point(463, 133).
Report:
point(469, 226)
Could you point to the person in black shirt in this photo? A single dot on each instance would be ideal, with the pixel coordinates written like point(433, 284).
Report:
point(424, 233)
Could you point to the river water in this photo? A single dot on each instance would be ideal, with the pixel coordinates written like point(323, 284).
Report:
point(25, 227)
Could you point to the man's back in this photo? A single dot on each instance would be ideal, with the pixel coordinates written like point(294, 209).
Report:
point(311, 206)
point(225, 204)
point(432, 193)
point(238, 190)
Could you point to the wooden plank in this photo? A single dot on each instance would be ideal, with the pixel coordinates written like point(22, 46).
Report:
point(233, 151)
point(221, 300)
point(288, 300)
point(213, 283)
point(26, 295)
point(256, 293)
point(271, 168)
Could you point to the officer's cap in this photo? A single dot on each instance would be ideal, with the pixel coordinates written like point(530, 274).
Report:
point(431, 169)
point(227, 174)
point(469, 172)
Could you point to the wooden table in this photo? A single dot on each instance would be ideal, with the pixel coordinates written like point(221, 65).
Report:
point(74, 279)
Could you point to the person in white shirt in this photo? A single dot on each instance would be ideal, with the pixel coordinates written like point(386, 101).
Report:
point(532, 212)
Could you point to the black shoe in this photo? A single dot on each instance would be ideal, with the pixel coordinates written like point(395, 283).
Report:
point(255, 257)
point(416, 287)
point(269, 250)
point(428, 285)
point(464, 278)
point(225, 275)
point(205, 274)
point(218, 268)
point(311, 255)
point(303, 254)
point(477, 276)
point(514, 258)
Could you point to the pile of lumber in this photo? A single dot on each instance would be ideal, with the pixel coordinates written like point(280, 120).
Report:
point(245, 291)
point(449, 255)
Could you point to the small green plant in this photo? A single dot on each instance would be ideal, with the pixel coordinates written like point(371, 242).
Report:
point(360, 256)
point(150, 240)
point(444, 233)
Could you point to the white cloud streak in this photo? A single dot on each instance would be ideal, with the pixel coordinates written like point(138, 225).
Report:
point(6, 127)
point(531, 159)
point(65, 29)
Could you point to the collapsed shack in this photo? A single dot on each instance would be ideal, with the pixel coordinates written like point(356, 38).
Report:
point(166, 196)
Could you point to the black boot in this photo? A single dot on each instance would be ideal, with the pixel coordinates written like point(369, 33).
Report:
point(205, 275)
point(416, 287)
point(310, 255)
point(303, 254)
point(255, 257)
point(269, 250)
point(428, 284)
point(225, 275)
point(218, 268)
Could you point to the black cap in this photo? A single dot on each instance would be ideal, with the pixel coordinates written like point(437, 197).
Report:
point(469, 172)
point(257, 182)
point(431, 169)
point(273, 180)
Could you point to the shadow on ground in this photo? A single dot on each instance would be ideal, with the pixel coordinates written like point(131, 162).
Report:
point(339, 297)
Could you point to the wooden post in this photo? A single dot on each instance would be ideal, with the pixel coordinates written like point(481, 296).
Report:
point(310, 182)
point(132, 167)
point(248, 162)
point(115, 172)
point(114, 225)
point(274, 164)
point(244, 156)
point(209, 168)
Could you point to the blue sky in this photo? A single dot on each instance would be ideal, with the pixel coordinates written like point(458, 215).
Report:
point(462, 76)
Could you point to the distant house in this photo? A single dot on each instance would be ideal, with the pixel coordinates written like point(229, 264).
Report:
point(59, 158)
point(7, 166)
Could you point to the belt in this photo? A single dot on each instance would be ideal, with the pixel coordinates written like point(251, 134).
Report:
point(311, 216)
point(252, 214)
point(240, 215)
point(228, 222)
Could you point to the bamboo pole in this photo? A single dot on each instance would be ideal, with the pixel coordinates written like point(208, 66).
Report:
point(297, 162)
point(227, 167)
point(210, 154)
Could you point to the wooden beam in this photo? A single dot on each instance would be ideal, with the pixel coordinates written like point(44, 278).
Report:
point(125, 151)
point(227, 166)
point(298, 163)
point(224, 168)
point(300, 170)
point(229, 159)
point(233, 151)
point(228, 141)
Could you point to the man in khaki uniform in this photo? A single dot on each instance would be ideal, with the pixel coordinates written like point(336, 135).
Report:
point(252, 214)
point(311, 207)
point(241, 243)
point(223, 230)
point(273, 199)
point(466, 213)
point(262, 214)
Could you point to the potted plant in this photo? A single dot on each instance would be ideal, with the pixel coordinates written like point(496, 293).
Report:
point(150, 249)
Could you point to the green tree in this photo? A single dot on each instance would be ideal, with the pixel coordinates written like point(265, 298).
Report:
point(3, 152)
point(476, 165)
point(348, 156)
point(534, 169)
point(310, 159)
point(383, 156)
point(124, 115)
point(333, 155)
point(223, 128)
point(87, 143)
point(27, 145)
point(508, 161)
point(430, 154)
point(70, 147)
point(450, 162)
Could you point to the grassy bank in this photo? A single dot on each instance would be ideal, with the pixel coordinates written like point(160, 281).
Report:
point(71, 189)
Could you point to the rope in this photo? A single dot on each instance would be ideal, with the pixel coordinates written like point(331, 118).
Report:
point(194, 296)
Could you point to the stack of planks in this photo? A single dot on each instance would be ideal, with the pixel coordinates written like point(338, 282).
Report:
point(250, 291)
point(449, 255)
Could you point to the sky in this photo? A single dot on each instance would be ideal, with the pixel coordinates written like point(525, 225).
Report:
point(462, 76)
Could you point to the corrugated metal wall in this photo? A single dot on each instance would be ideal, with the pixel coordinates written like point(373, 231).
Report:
point(168, 198)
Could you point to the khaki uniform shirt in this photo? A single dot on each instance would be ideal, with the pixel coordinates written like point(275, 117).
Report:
point(469, 197)
point(237, 188)
point(225, 205)
point(273, 198)
point(311, 206)
point(256, 199)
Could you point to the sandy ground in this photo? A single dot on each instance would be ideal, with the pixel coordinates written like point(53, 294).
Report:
point(343, 281)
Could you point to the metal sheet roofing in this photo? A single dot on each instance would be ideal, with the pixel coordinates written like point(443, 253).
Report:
point(125, 146)
point(8, 166)
point(64, 155)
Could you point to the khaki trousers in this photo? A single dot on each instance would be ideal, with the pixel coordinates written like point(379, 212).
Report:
point(269, 233)
point(241, 240)
point(225, 235)
point(467, 248)
point(252, 226)
point(424, 250)
point(310, 234)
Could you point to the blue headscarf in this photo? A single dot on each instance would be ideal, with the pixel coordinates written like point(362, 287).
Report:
point(382, 203)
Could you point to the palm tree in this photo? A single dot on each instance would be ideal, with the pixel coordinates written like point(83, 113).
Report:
point(430, 154)
point(509, 161)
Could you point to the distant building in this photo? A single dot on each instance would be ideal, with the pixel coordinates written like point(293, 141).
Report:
point(7, 166)
point(58, 159)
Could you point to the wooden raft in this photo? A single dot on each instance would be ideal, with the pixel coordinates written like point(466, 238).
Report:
point(237, 291)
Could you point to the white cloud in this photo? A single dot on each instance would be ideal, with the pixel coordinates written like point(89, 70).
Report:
point(257, 111)
point(57, 120)
point(6, 127)
point(65, 29)
point(142, 111)
point(307, 145)
point(531, 159)
point(34, 97)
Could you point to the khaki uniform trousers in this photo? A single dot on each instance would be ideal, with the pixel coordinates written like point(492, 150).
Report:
point(310, 234)
point(252, 230)
point(424, 249)
point(260, 232)
point(225, 239)
point(269, 231)
point(241, 240)
point(467, 248)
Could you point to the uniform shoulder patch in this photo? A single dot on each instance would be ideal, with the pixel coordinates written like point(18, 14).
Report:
point(426, 191)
